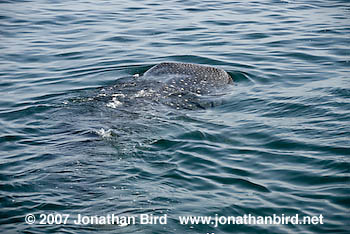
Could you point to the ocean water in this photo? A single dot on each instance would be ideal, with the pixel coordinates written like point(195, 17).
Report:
point(277, 144)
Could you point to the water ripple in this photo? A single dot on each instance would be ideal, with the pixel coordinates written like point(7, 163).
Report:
point(276, 144)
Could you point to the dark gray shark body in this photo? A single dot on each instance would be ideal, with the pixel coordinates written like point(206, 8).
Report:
point(179, 85)
point(190, 77)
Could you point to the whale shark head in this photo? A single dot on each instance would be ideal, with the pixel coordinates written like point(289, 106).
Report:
point(190, 76)
point(178, 85)
point(187, 85)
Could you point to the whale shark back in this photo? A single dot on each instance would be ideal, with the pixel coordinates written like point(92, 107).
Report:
point(190, 77)
point(178, 85)
point(187, 85)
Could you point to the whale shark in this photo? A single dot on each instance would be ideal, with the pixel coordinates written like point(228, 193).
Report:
point(189, 76)
point(178, 85)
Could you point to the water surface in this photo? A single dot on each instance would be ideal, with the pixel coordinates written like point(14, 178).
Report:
point(277, 144)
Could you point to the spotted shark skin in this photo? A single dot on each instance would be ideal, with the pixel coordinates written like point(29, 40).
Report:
point(186, 85)
point(190, 77)
point(178, 85)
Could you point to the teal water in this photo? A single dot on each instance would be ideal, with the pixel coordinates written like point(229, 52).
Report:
point(277, 144)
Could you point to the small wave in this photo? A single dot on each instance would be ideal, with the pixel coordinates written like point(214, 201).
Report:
point(114, 103)
point(104, 133)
